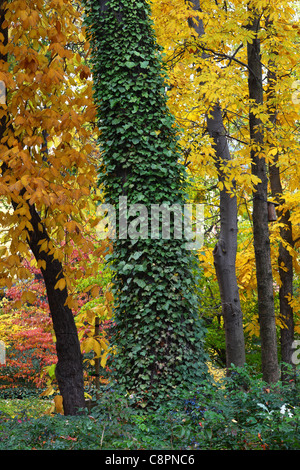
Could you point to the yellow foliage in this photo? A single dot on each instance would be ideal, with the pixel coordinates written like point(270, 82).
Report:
point(58, 402)
point(212, 68)
point(51, 109)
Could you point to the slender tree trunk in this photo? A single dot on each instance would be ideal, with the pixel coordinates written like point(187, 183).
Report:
point(286, 275)
point(284, 258)
point(97, 359)
point(69, 369)
point(264, 275)
point(226, 248)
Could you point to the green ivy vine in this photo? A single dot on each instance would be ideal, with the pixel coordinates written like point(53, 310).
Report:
point(158, 334)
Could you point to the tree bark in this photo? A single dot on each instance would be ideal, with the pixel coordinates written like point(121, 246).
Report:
point(286, 275)
point(266, 313)
point(225, 250)
point(69, 369)
point(284, 258)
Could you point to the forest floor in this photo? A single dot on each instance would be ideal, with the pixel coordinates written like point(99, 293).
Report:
point(237, 413)
point(35, 407)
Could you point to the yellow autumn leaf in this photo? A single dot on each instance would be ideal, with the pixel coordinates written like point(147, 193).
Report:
point(104, 359)
point(61, 284)
point(58, 401)
point(48, 391)
point(88, 345)
point(97, 348)
point(108, 296)
point(41, 264)
point(95, 291)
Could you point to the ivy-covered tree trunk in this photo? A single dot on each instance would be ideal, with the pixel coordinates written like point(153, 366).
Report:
point(225, 250)
point(266, 312)
point(157, 333)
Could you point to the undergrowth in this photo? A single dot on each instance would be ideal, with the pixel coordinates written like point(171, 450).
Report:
point(242, 413)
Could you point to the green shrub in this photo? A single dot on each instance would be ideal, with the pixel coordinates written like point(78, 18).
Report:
point(243, 413)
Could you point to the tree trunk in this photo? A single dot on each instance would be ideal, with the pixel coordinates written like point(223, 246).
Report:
point(286, 275)
point(225, 251)
point(157, 331)
point(264, 275)
point(284, 258)
point(69, 370)
point(226, 248)
point(97, 359)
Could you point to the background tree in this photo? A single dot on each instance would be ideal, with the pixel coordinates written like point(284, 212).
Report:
point(223, 79)
point(279, 59)
point(226, 248)
point(266, 310)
